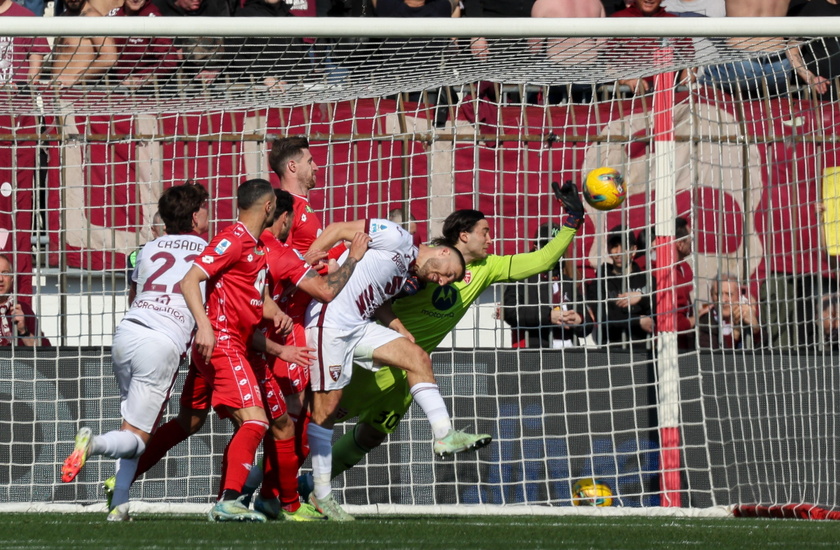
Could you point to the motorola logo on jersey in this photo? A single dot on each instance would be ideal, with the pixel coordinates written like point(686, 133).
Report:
point(444, 297)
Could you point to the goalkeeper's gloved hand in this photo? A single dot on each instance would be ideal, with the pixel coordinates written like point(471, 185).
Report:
point(412, 286)
point(570, 197)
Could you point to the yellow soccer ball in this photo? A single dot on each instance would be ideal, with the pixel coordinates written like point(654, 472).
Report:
point(604, 189)
point(591, 492)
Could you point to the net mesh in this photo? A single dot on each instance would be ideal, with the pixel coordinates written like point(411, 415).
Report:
point(432, 125)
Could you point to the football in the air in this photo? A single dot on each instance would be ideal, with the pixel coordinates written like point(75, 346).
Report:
point(603, 188)
point(591, 492)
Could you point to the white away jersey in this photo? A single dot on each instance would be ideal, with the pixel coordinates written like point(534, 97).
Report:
point(159, 304)
point(379, 275)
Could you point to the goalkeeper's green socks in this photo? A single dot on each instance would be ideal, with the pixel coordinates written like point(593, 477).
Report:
point(346, 453)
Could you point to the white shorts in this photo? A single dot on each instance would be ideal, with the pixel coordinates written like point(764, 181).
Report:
point(335, 349)
point(145, 363)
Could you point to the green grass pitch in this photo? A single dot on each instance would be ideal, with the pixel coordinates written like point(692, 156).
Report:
point(91, 531)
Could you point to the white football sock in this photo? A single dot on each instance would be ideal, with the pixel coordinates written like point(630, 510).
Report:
point(118, 444)
point(126, 468)
point(427, 395)
point(320, 445)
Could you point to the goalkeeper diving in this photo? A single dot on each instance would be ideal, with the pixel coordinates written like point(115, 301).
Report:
point(429, 312)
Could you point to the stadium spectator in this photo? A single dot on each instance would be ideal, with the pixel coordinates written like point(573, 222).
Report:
point(18, 323)
point(817, 63)
point(757, 8)
point(142, 58)
point(425, 55)
point(684, 286)
point(380, 399)
point(77, 60)
point(149, 342)
point(347, 327)
point(621, 295)
point(767, 69)
point(23, 57)
point(547, 310)
point(202, 57)
point(569, 51)
point(642, 49)
point(193, 8)
point(695, 8)
point(35, 6)
point(498, 8)
point(731, 320)
point(234, 263)
point(270, 61)
point(290, 273)
point(612, 6)
point(830, 322)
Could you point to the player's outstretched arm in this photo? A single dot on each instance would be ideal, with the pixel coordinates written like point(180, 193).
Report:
point(527, 264)
point(326, 288)
point(338, 231)
point(205, 340)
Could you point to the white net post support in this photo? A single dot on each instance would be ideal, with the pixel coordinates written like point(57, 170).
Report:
point(695, 432)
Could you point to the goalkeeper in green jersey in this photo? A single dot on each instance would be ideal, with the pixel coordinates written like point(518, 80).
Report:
point(381, 398)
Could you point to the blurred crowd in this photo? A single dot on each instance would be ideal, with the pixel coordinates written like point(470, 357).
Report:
point(556, 309)
point(768, 67)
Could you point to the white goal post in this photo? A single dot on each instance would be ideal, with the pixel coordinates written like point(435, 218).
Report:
point(425, 119)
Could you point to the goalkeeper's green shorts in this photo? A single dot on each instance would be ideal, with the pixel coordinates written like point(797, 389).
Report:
point(378, 398)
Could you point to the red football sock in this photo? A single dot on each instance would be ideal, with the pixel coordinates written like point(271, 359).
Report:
point(240, 453)
point(270, 487)
point(166, 437)
point(302, 437)
point(287, 461)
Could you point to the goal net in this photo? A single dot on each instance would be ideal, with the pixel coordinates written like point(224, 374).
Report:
point(700, 369)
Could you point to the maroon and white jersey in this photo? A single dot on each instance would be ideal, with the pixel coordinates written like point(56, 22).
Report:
point(235, 263)
point(159, 304)
point(378, 276)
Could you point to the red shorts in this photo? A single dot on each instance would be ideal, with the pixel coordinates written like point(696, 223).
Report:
point(275, 404)
point(196, 393)
point(293, 378)
point(232, 378)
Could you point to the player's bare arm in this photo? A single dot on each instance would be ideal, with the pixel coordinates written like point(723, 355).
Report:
point(205, 339)
point(272, 312)
point(335, 232)
point(325, 289)
point(301, 355)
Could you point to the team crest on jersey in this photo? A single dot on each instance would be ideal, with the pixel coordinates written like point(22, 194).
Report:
point(309, 209)
point(467, 277)
point(335, 372)
point(223, 245)
point(259, 251)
